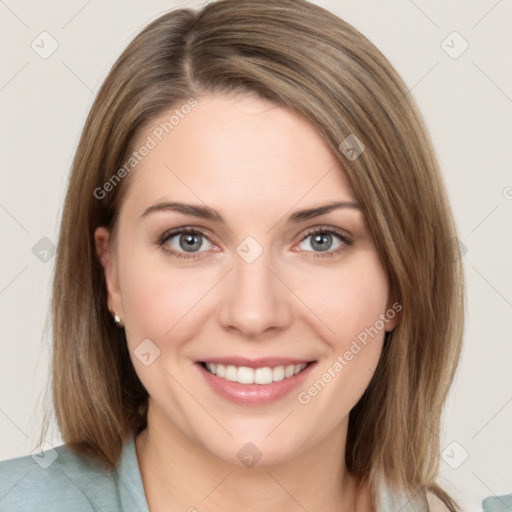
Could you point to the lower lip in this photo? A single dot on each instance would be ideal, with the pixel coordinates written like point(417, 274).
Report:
point(255, 393)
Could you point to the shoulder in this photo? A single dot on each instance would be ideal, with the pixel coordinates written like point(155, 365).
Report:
point(497, 503)
point(55, 479)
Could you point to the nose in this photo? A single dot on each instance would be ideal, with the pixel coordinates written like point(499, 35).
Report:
point(255, 299)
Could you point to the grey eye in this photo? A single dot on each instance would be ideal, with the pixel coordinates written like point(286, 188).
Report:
point(187, 242)
point(321, 241)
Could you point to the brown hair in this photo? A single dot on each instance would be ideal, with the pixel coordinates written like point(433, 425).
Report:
point(314, 64)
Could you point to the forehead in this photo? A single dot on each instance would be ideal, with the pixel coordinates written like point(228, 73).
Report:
point(231, 150)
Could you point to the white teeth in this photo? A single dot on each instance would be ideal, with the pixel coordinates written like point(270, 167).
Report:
point(263, 375)
point(278, 373)
point(245, 375)
point(231, 373)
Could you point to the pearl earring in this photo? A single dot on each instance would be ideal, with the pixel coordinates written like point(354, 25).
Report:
point(117, 318)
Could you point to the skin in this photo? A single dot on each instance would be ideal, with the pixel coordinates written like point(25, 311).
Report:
point(255, 163)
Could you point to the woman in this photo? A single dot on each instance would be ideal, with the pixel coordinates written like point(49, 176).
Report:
point(256, 300)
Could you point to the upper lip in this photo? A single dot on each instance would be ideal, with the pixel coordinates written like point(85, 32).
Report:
point(256, 363)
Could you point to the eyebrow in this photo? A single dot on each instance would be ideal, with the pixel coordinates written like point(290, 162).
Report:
point(204, 212)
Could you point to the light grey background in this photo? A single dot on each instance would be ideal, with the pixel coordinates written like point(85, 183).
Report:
point(467, 104)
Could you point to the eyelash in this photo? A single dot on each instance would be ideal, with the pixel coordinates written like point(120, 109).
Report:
point(197, 231)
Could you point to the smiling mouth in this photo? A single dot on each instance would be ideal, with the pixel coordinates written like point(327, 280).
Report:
point(246, 375)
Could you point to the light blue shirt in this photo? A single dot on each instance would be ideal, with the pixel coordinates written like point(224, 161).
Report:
point(71, 483)
point(58, 480)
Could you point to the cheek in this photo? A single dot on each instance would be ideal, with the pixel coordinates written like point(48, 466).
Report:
point(350, 306)
point(160, 301)
point(159, 304)
point(348, 300)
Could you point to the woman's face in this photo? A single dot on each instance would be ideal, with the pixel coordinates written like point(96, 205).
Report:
point(222, 258)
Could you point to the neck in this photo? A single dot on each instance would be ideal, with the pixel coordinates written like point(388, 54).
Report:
point(179, 474)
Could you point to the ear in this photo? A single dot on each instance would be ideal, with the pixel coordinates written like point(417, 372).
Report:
point(108, 259)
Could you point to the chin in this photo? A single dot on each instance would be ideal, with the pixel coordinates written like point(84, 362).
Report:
point(256, 451)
